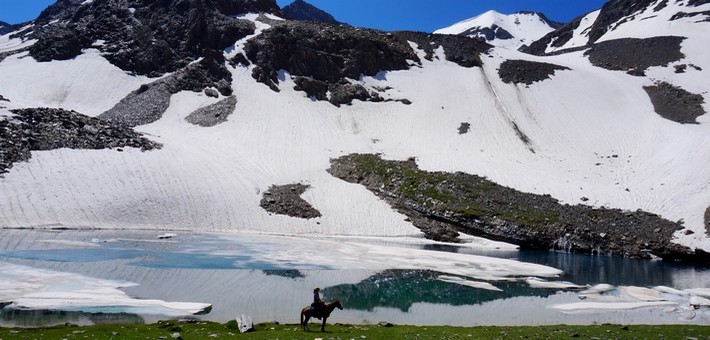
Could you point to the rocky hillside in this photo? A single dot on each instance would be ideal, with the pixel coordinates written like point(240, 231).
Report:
point(586, 147)
point(444, 204)
point(144, 37)
point(590, 28)
point(48, 129)
point(301, 10)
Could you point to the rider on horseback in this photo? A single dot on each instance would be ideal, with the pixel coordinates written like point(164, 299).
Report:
point(318, 303)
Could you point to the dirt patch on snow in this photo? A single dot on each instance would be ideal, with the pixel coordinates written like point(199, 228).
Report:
point(286, 200)
point(675, 103)
point(526, 72)
point(636, 55)
point(213, 114)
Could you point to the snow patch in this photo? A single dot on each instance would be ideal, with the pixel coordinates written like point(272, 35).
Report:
point(24, 287)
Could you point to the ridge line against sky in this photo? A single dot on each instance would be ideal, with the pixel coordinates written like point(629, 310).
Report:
point(388, 15)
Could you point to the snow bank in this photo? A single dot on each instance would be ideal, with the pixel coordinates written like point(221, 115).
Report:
point(24, 287)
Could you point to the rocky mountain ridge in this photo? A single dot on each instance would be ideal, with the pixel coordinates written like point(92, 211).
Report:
point(241, 104)
point(5, 28)
point(149, 37)
point(607, 19)
point(301, 10)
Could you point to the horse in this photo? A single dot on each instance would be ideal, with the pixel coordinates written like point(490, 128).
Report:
point(323, 312)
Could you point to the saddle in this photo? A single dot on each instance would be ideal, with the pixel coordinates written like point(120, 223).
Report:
point(317, 310)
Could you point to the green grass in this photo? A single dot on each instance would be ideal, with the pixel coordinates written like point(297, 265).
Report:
point(469, 196)
point(209, 330)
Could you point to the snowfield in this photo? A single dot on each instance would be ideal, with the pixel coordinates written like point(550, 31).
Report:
point(592, 133)
point(586, 136)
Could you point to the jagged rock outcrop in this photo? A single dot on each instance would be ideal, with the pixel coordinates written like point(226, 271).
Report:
point(613, 12)
point(675, 103)
point(443, 204)
point(325, 52)
point(323, 56)
point(462, 50)
point(48, 129)
point(301, 10)
point(286, 200)
point(149, 37)
point(526, 72)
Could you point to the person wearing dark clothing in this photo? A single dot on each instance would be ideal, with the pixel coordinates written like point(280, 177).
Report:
point(318, 303)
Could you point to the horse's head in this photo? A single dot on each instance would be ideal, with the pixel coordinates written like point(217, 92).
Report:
point(337, 304)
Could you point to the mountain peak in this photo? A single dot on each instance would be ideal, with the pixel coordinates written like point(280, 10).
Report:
point(301, 10)
point(509, 30)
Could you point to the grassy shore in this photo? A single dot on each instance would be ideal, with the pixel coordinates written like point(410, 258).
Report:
point(209, 330)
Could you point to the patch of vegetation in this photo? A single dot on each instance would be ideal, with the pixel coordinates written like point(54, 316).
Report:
point(443, 204)
point(211, 330)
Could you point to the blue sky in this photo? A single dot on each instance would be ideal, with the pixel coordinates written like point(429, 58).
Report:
point(417, 15)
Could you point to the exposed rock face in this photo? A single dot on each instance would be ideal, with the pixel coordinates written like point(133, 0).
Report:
point(13, 144)
point(489, 33)
point(49, 129)
point(459, 49)
point(556, 38)
point(301, 10)
point(611, 15)
point(675, 103)
point(149, 37)
point(286, 200)
point(325, 52)
point(443, 204)
point(636, 55)
point(526, 72)
point(322, 57)
point(5, 28)
point(148, 103)
point(613, 12)
point(213, 114)
point(703, 16)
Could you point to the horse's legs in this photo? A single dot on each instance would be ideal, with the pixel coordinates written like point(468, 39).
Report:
point(304, 323)
point(322, 328)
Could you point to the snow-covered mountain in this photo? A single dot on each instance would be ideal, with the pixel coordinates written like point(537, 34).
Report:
point(504, 30)
point(257, 119)
point(628, 19)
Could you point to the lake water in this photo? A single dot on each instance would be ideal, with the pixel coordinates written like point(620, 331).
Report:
point(270, 278)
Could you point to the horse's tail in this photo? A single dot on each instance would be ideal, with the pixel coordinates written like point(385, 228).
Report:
point(301, 317)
